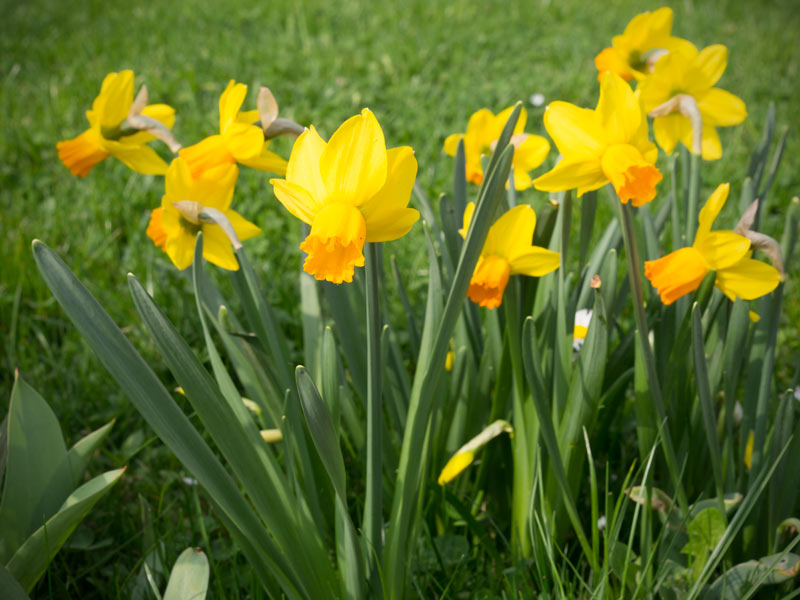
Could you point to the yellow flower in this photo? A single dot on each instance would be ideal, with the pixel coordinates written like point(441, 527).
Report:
point(693, 73)
point(238, 141)
point(606, 144)
point(507, 251)
point(466, 454)
point(646, 37)
point(483, 131)
point(738, 275)
point(350, 190)
point(108, 135)
point(583, 318)
point(176, 234)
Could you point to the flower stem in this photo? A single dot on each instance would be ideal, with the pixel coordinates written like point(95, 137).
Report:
point(373, 505)
point(694, 193)
point(632, 253)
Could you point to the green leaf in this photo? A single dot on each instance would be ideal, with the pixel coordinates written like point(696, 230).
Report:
point(10, 589)
point(38, 477)
point(83, 450)
point(744, 578)
point(705, 531)
point(30, 561)
point(189, 577)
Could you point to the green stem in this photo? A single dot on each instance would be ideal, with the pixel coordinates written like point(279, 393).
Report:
point(694, 193)
point(632, 253)
point(373, 505)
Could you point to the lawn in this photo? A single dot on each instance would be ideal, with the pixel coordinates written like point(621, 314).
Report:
point(421, 67)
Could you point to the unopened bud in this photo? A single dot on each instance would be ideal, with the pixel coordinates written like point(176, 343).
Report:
point(760, 241)
point(141, 122)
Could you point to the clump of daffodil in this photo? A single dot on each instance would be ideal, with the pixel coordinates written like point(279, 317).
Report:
point(238, 141)
point(193, 205)
point(727, 253)
point(689, 75)
point(111, 134)
point(507, 251)
point(350, 190)
point(483, 131)
point(608, 144)
point(645, 39)
point(466, 454)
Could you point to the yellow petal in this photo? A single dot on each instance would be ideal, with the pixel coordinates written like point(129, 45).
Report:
point(142, 159)
point(498, 122)
point(451, 143)
point(244, 229)
point(246, 142)
point(214, 188)
point(266, 161)
point(385, 214)
point(303, 167)
point(710, 210)
point(676, 274)
point(248, 116)
point(531, 153)
point(111, 107)
point(748, 279)
point(711, 146)
point(456, 464)
point(722, 249)
point(297, 200)
point(477, 138)
point(669, 130)
point(512, 233)
point(708, 67)
point(230, 102)
point(748, 450)
point(353, 164)
point(467, 219)
point(535, 262)
point(610, 61)
point(206, 154)
point(180, 249)
point(721, 108)
point(583, 175)
point(576, 131)
point(618, 110)
point(217, 248)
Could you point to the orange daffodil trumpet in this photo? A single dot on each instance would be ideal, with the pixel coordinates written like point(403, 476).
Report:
point(193, 205)
point(645, 39)
point(238, 141)
point(607, 144)
point(350, 190)
point(727, 253)
point(507, 251)
point(483, 131)
point(690, 76)
point(111, 134)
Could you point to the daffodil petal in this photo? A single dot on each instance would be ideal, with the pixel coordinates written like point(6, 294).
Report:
point(575, 131)
point(669, 130)
point(230, 102)
point(266, 161)
point(748, 279)
point(451, 143)
point(385, 214)
point(584, 175)
point(512, 233)
point(711, 146)
point(244, 229)
point(115, 98)
point(142, 159)
point(303, 168)
point(723, 249)
point(721, 108)
point(297, 200)
point(161, 113)
point(710, 64)
point(618, 110)
point(711, 210)
point(180, 249)
point(535, 262)
point(498, 122)
point(531, 153)
point(354, 164)
point(467, 219)
point(217, 248)
point(245, 144)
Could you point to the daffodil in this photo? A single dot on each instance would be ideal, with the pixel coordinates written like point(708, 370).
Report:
point(483, 131)
point(608, 144)
point(174, 226)
point(238, 141)
point(582, 319)
point(350, 190)
point(645, 39)
point(687, 72)
point(507, 251)
point(727, 253)
point(110, 135)
point(466, 454)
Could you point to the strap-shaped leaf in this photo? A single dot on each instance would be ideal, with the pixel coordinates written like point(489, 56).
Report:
point(189, 577)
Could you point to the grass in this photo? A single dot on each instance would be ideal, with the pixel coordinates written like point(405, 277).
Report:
point(422, 67)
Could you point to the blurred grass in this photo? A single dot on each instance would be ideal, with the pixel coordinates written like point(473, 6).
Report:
point(422, 67)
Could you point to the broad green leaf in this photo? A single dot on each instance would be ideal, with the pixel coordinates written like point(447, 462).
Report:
point(746, 577)
point(10, 589)
point(705, 531)
point(189, 577)
point(37, 478)
point(82, 451)
point(30, 561)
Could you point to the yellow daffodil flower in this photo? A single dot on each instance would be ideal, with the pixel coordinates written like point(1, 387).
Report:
point(692, 73)
point(738, 275)
point(175, 234)
point(238, 141)
point(646, 37)
point(507, 251)
point(350, 190)
point(483, 131)
point(606, 144)
point(108, 135)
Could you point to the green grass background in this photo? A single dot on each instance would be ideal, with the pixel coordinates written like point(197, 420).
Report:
point(423, 67)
